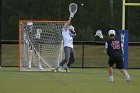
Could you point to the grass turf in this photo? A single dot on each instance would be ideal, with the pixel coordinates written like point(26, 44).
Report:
point(77, 81)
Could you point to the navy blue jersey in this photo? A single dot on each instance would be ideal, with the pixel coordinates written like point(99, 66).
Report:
point(31, 36)
point(114, 47)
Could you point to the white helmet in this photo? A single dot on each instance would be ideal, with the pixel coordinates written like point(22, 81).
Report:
point(29, 23)
point(111, 32)
point(71, 27)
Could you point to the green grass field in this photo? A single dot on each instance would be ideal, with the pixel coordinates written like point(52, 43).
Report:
point(77, 81)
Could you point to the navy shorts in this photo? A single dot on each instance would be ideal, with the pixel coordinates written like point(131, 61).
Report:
point(116, 59)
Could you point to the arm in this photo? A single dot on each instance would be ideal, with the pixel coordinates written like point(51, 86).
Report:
point(67, 24)
point(105, 50)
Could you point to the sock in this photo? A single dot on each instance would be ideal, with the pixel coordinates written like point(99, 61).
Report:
point(127, 76)
point(111, 78)
point(29, 64)
point(39, 64)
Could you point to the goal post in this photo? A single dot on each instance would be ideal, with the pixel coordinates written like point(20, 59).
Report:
point(40, 45)
point(124, 5)
point(123, 34)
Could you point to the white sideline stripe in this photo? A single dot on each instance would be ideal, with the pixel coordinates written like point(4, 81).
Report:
point(14, 78)
point(28, 79)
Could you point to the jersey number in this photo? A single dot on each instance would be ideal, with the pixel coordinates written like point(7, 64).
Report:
point(115, 44)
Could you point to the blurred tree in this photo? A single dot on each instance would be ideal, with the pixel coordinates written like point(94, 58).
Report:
point(93, 15)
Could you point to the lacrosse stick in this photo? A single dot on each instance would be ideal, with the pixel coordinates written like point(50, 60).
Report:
point(99, 33)
point(72, 9)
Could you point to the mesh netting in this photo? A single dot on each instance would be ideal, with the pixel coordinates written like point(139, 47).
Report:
point(41, 45)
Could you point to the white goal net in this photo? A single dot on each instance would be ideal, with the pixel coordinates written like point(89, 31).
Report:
point(40, 45)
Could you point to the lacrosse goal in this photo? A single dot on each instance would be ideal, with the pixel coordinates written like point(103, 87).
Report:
point(40, 45)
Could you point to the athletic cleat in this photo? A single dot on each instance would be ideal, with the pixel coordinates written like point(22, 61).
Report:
point(128, 79)
point(41, 68)
point(111, 79)
point(29, 67)
point(67, 70)
point(54, 70)
point(61, 69)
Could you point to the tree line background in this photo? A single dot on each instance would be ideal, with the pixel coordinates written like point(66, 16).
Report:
point(92, 16)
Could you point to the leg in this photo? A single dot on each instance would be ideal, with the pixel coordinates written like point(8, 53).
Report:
point(125, 73)
point(29, 55)
point(120, 66)
point(38, 48)
point(111, 62)
point(30, 58)
point(72, 58)
point(110, 73)
point(39, 64)
point(67, 56)
point(63, 64)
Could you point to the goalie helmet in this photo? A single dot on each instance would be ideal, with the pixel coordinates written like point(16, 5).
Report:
point(111, 32)
point(29, 26)
point(29, 23)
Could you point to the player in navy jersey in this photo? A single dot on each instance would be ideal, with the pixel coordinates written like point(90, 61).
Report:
point(114, 50)
point(32, 36)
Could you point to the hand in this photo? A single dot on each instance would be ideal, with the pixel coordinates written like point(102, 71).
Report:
point(105, 51)
point(71, 16)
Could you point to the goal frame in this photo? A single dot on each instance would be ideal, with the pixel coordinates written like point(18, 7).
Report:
point(19, 35)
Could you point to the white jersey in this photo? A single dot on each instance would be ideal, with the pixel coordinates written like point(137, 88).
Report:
point(67, 38)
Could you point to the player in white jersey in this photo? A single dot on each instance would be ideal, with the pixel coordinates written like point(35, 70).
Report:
point(68, 33)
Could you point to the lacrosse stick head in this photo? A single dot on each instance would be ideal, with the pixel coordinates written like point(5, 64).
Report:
point(99, 33)
point(73, 8)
